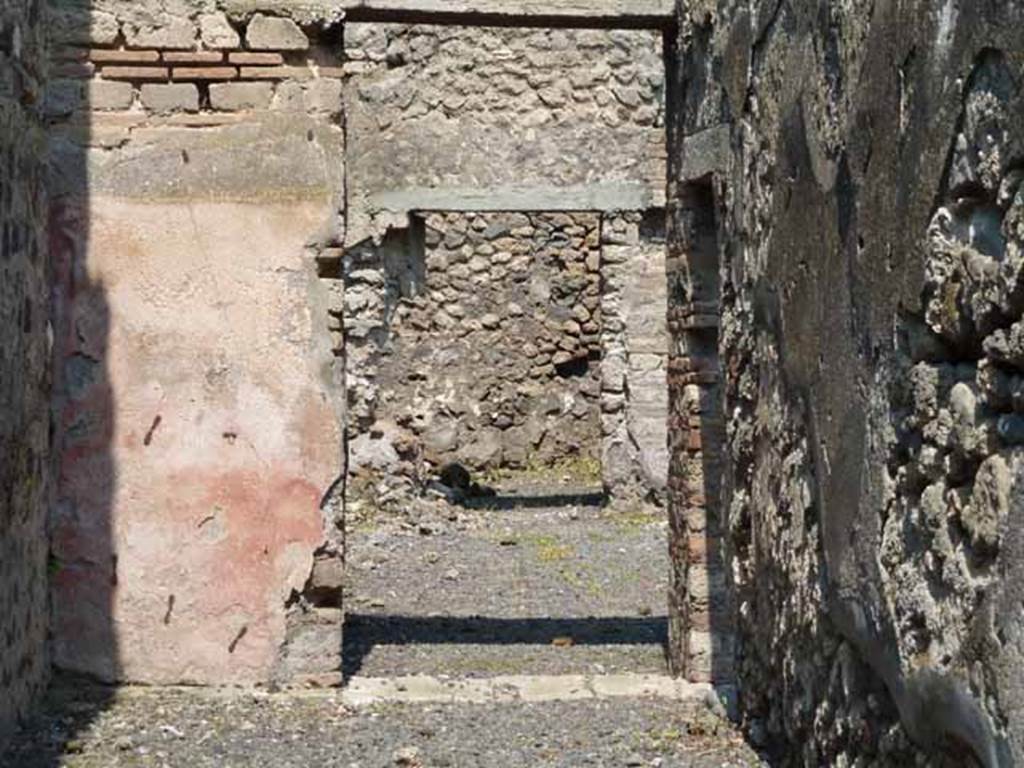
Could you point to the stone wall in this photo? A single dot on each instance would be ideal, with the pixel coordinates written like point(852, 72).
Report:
point(476, 119)
point(634, 354)
point(25, 368)
point(462, 118)
point(476, 339)
point(196, 538)
point(862, 163)
point(201, 298)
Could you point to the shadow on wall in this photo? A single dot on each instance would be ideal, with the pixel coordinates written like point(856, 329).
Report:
point(83, 557)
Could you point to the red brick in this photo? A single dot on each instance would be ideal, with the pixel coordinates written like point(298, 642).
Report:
point(693, 440)
point(204, 73)
point(135, 73)
point(193, 57)
point(106, 56)
point(276, 73)
point(256, 59)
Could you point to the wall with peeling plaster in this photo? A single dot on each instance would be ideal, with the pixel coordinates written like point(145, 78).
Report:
point(216, 390)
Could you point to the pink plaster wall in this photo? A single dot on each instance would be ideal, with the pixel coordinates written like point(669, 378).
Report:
point(199, 442)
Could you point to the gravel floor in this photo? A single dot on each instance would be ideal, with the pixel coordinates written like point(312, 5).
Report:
point(534, 582)
point(197, 729)
point(523, 586)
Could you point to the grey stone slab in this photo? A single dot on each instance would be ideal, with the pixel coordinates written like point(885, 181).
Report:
point(610, 196)
point(623, 13)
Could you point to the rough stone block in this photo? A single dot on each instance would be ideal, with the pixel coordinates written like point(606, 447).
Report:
point(232, 97)
point(289, 97)
point(314, 643)
point(324, 96)
point(105, 95)
point(267, 33)
point(63, 97)
point(216, 31)
point(170, 97)
point(165, 31)
point(82, 26)
point(326, 582)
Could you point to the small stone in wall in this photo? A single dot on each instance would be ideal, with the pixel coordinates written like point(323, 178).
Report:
point(374, 450)
point(267, 33)
point(441, 438)
point(168, 32)
point(109, 95)
point(216, 31)
point(990, 504)
point(485, 450)
point(164, 98)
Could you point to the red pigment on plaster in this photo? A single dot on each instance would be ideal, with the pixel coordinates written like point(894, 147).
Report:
point(263, 512)
point(315, 441)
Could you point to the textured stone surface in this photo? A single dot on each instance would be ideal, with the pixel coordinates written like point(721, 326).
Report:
point(267, 33)
point(502, 113)
point(634, 348)
point(170, 97)
point(869, 250)
point(216, 31)
point(236, 96)
point(104, 95)
point(160, 30)
point(25, 369)
point(478, 337)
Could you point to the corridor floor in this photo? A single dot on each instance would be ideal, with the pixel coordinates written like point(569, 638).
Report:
point(522, 630)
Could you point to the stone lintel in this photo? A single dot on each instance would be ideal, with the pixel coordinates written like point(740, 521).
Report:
point(601, 14)
point(606, 14)
point(624, 196)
